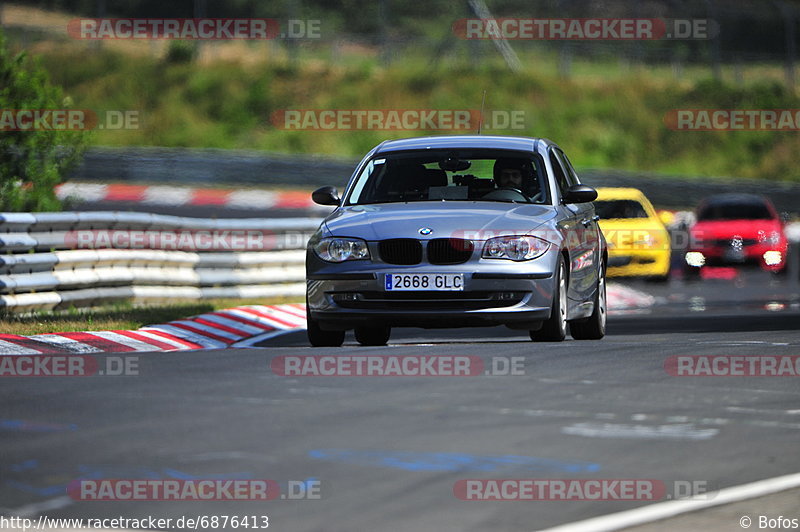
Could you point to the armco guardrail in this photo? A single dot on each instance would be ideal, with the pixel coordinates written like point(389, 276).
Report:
point(57, 260)
point(240, 167)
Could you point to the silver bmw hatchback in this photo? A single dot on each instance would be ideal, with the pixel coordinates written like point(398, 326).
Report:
point(458, 231)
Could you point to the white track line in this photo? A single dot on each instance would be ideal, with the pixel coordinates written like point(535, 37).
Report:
point(665, 510)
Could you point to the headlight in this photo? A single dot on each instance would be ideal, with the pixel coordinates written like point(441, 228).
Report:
point(773, 258)
point(695, 258)
point(341, 249)
point(516, 248)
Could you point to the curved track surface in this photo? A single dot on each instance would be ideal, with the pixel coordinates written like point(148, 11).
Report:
point(386, 452)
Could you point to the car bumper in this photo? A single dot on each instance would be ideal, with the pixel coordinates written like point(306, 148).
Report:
point(749, 255)
point(638, 263)
point(348, 300)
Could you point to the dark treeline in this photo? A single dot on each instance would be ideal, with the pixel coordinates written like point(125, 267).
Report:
point(749, 29)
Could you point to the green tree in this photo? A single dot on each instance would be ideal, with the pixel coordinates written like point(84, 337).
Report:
point(32, 162)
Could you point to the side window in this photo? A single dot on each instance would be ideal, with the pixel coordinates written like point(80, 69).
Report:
point(558, 172)
point(572, 177)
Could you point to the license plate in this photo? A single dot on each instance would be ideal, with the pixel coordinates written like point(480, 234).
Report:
point(424, 281)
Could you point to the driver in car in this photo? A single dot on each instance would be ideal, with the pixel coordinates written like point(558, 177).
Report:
point(517, 174)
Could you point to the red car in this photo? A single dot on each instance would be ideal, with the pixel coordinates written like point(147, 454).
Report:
point(737, 229)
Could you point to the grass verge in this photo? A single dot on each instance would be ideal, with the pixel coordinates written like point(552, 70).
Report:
point(603, 115)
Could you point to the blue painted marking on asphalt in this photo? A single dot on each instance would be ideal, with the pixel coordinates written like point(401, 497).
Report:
point(418, 461)
point(27, 465)
point(33, 426)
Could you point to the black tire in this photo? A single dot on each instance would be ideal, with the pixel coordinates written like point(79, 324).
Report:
point(691, 273)
point(376, 335)
point(594, 327)
point(555, 328)
point(322, 338)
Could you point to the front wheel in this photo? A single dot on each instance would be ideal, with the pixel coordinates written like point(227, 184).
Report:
point(322, 338)
point(555, 328)
point(594, 327)
point(373, 335)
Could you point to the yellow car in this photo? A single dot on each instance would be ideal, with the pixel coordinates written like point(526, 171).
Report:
point(638, 243)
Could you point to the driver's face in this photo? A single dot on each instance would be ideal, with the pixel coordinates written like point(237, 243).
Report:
point(510, 177)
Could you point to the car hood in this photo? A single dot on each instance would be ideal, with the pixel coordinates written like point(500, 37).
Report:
point(454, 219)
point(719, 229)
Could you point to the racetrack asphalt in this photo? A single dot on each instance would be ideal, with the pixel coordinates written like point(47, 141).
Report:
point(386, 452)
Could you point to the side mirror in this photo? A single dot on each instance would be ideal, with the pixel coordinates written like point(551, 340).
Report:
point(580, 194)
point(326, 195)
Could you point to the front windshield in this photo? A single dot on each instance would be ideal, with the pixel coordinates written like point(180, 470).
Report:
point(619, 209)
point(451, 175)
point(735, 211)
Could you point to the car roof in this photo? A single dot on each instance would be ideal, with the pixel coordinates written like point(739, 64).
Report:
point(612, 193)
point(735, 197)
point(527, 144)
